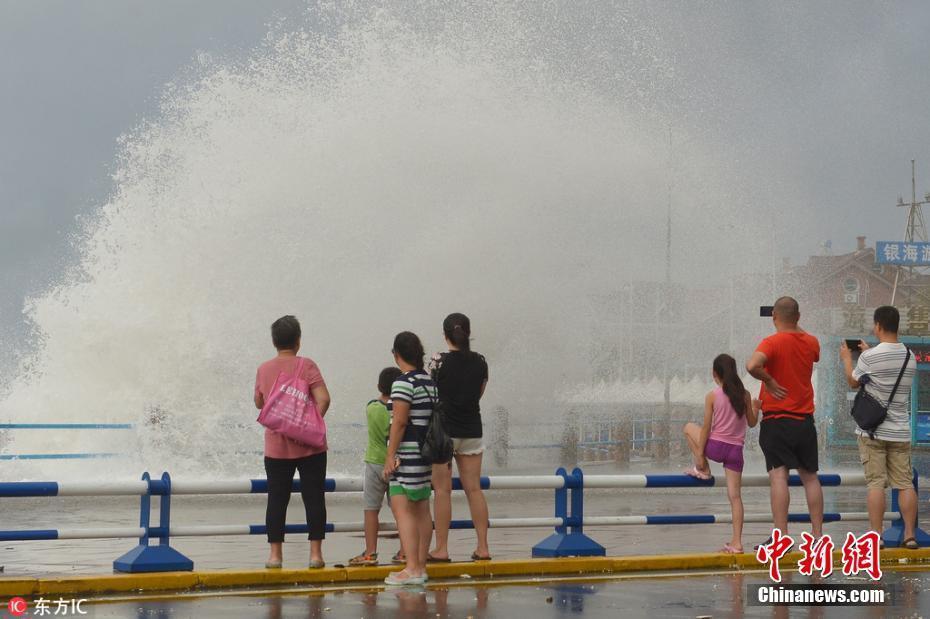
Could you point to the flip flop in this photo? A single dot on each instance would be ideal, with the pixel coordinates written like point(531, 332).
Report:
point(431, 559)
point(476, 557)
point(910, 543)
point(693, 472)
point(730, 550)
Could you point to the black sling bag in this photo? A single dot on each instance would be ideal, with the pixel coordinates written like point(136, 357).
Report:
point(867, 411)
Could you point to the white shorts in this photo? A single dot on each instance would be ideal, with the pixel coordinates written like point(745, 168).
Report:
point(467, 446)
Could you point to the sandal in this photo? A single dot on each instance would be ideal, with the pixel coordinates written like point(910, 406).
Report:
point(399, 558)
point(694, 472)
point(364, 559)
point(476, 557)
point(316, 565)
point(731, 550)
point(431, 559)
point(767, 542)
point(910, 543)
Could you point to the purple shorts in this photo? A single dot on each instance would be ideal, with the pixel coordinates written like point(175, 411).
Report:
point(730, 456)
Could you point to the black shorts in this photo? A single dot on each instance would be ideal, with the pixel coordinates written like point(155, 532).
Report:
point(789, 441)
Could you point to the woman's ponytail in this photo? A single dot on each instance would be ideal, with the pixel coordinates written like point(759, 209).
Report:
point(457, 329)
point(725, 369)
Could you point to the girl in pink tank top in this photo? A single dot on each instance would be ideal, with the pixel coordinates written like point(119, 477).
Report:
point(728, 411)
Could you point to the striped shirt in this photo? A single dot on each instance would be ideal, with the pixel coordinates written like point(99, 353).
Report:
point(412, 388)
point(413, 476)
point(882, 364)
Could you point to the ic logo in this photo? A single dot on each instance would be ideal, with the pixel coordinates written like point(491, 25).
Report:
point(18, 606)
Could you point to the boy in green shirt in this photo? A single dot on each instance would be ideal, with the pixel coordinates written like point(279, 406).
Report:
point(378, 414)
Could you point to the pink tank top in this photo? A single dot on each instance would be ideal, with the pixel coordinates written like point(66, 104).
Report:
point(727, 426)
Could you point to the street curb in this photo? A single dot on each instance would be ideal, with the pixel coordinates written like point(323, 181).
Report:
point(98, 584)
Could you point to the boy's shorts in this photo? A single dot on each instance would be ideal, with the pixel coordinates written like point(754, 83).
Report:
point(374, 486)
point(886, 463)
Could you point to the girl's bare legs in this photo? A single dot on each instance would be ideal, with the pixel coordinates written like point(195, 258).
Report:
point(693, 434)
point(470, 474)
point(425, 529)
point(442, 505)
point(393, 506)
point(410, 527)
point(734, 483)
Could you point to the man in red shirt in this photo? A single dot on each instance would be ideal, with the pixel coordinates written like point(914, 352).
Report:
point(784, 363)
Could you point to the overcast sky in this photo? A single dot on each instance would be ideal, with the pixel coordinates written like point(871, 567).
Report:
point(75, 76)
point(838, 92)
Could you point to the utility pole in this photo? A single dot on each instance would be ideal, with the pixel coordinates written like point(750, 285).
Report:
point(665, 446)
point(916, 230)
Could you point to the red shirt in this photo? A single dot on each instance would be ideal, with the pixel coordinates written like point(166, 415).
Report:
point(790, 359)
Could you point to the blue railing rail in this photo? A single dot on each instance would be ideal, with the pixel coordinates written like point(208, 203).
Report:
point(569, 518)
point(584, 438)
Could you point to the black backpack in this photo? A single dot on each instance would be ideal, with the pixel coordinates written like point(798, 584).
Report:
point(435, 442)
point(867, 411)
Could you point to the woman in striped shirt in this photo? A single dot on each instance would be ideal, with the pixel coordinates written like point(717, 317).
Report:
point(412, 394)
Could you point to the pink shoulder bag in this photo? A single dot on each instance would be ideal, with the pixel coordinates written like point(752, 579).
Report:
point(290, 410)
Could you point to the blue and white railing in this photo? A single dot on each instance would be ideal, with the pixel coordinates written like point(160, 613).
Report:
point(583, 438)
point(62, 426)
point(121, 426)
point(569, 519)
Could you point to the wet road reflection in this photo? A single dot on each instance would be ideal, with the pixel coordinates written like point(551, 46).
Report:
point(721, 596)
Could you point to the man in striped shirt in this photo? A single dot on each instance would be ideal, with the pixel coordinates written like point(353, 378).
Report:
point(886, 458)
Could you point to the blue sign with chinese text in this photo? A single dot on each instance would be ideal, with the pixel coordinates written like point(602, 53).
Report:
point(916, 254)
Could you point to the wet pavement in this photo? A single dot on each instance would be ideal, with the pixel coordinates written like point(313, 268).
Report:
point(243, 552)
point(686, 597)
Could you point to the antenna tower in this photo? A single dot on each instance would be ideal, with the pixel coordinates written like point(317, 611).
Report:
point(916, 231)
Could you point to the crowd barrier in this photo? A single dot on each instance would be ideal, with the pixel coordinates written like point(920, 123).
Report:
point(569, 519)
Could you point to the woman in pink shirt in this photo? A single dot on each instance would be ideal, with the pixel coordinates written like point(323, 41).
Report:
point(283, 456)
point(728, 411)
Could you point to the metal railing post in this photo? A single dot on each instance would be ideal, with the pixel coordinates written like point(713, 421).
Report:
point(569, 539)
point(577, 500)
point(161, 558)
point(893, 536)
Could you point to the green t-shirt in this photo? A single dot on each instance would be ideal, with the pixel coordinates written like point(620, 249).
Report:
point(379, 423)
